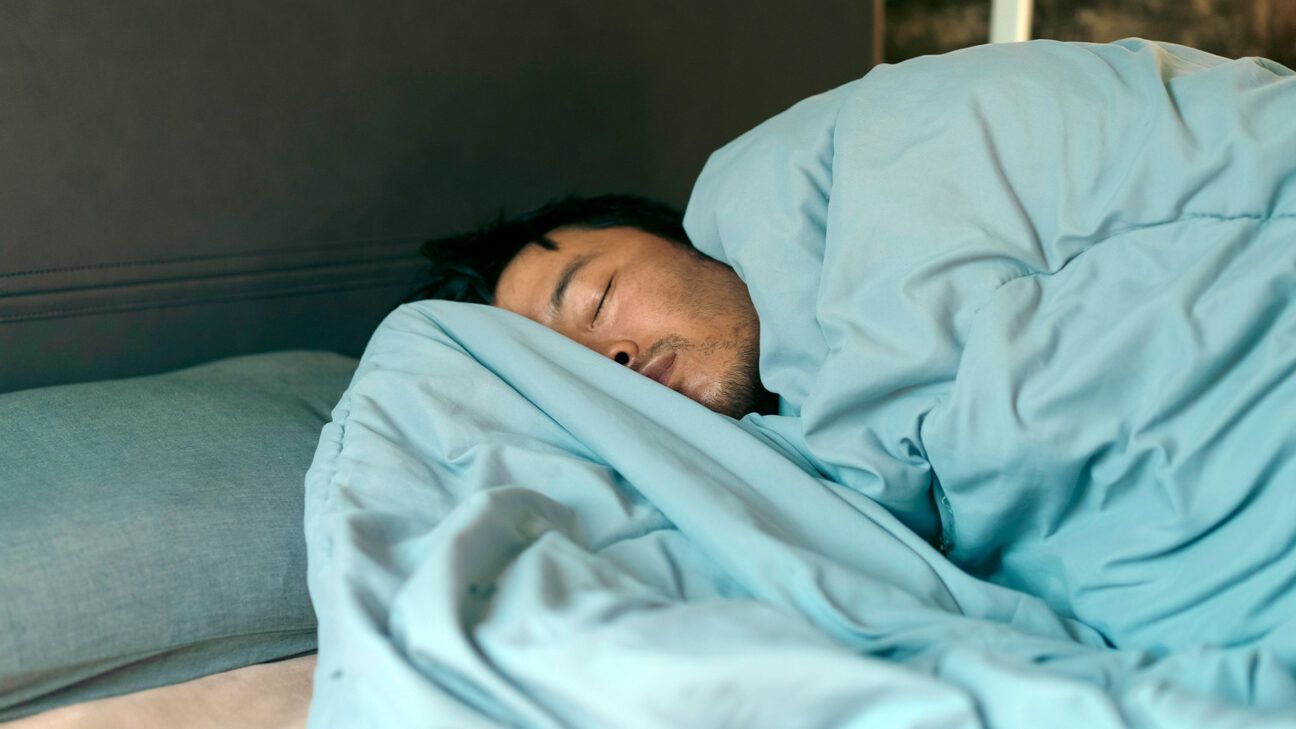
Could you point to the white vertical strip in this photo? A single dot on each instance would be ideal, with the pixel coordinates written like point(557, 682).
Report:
point(1010, 20)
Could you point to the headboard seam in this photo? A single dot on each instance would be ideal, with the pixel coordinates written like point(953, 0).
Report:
point(263, 272)
point(377, 282)
point(281, 250)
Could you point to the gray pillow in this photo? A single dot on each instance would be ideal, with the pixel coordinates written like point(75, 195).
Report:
point(151, 528)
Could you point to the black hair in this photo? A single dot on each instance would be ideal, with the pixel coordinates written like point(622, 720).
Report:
point(467, 266)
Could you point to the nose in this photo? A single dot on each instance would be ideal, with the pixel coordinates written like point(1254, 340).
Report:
point(623, 352)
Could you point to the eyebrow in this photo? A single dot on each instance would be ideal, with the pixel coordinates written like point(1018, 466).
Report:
point(564, 280)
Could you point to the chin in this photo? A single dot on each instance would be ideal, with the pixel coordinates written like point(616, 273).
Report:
point(718, 402)
point(734, 395)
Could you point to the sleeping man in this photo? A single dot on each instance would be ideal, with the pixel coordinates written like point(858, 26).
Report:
point(1004, 291)
point(617, 274)
point(1033, 305)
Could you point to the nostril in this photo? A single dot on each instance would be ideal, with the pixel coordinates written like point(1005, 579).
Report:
point(622, 358)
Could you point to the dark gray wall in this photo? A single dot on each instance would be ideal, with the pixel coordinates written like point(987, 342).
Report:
point(185, 180)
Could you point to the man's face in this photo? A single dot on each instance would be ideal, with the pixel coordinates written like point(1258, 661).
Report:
point(664, 311)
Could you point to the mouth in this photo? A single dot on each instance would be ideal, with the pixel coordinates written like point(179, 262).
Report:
point(660, 369)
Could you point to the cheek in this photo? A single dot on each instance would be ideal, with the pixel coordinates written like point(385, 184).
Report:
point(650, 305)
point(679, 301)
point(688, 297)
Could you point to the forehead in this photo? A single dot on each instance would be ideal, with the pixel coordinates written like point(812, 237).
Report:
point(528, 281)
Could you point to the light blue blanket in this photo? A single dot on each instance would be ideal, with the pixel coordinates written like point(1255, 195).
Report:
point(1055, 277)
point(1050, 289)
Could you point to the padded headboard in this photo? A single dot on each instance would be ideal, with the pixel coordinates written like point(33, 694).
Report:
point(184, 180)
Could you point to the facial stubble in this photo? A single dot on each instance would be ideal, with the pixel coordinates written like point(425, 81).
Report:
point(714, 294)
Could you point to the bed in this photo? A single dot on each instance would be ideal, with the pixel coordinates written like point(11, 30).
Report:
point(1029, 311)
point(208, 210)
point(1028, 308)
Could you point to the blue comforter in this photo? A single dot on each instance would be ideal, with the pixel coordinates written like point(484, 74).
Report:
point(1041, 300)
point(1030, 304)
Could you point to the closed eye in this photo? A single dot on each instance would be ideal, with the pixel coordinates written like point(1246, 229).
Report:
point(602, 300)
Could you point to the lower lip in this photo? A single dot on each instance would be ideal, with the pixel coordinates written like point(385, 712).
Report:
point(664, 377)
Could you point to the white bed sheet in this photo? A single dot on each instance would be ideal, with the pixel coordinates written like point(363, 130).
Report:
point(265, 696)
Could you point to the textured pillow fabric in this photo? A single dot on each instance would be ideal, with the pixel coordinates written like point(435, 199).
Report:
point(151, 528)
